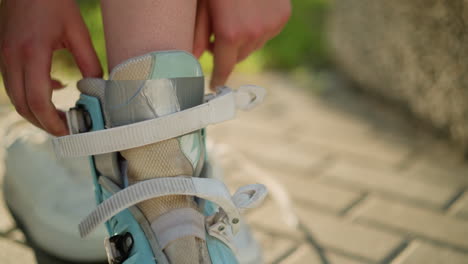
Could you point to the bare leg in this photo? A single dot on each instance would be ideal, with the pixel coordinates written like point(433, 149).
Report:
point(133, 28)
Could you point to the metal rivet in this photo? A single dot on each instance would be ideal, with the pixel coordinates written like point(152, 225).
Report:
point(235, 220)
point(129, 241)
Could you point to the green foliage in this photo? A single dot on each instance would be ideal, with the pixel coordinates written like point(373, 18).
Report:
point(302, 42)
point(91, 12)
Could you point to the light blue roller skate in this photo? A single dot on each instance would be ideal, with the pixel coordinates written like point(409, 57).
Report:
point(156, 192)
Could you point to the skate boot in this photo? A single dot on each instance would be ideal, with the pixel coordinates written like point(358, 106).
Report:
point(144, 132)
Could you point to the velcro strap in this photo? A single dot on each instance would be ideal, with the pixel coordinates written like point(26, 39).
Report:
point(219, 108)
point(179, 223)
point(208, 189)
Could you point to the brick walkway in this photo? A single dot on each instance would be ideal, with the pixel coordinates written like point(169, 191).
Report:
point(350, 180)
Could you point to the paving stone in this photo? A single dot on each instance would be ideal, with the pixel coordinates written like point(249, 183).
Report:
point(319, 194)
point(265, 145)
point(300, 189)
point(425, 253)
point(438, 172)
point(414, 221)
point(352, 238)
point(6, 221)
point(305, 254)
point(460, 208)
point(271, 219)
point(274, 247)
point(390, 183)
point(298, 162)
point(440, 163)
point(12, 253)
point(362, 148)
point(17, 235)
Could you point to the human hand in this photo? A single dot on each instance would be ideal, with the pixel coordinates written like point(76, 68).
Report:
point(30, 31)
point(239, 27)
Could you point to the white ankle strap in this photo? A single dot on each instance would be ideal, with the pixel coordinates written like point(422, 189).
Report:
point(208, 189)
point(218, 108)
point(179, 223)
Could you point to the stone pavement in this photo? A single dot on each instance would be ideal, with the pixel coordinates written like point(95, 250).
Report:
point(351, 180)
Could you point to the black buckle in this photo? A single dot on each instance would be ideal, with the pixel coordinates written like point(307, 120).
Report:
point(118, 248)
point(80, 120)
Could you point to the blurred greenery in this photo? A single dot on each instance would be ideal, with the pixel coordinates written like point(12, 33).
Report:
point(302, 43)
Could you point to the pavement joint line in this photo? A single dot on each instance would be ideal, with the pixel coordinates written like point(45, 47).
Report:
point(5, 234)
point(322, 165)
point(396, 252)
point(321, 250)
point(407, 161)
point(326, 162)
point(317, 207)
point(314, 243)
point(286, 254)
point(454, 199)
point(410, 235)
point(268, 231)
point(353, 204)
point(387, 194)
point(355, 155)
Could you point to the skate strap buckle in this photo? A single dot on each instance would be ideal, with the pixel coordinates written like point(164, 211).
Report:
point(246, 197)
point(217, 108)
point(118, 248)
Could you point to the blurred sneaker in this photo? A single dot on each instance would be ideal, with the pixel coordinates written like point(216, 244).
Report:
point(48, 197)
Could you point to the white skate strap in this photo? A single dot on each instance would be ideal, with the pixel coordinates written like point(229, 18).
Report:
point(179, 223)
point(218, 108)
point(209, 189)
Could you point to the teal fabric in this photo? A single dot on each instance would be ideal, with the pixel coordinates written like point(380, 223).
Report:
point(93, 106)
point(173, 64)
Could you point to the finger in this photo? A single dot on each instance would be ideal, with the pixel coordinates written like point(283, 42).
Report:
point(56, 84)
point(5, 54)
point(246, 50)
point(80, 45)
point(225, 54)
point(14, 85)
point(262, 42)
point(39, 91)
point(4, 76)
point(202, 29)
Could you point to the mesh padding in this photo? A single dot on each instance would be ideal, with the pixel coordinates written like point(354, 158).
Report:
point(136, 69)
point(162, 159)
